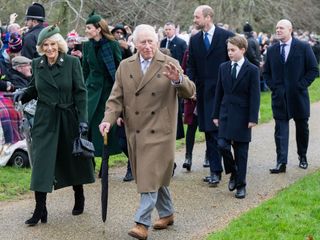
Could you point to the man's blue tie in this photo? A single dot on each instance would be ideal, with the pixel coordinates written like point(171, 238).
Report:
point(283, 53)
point(206, 41)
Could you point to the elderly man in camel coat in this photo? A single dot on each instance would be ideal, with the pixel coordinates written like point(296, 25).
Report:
point(146, 93)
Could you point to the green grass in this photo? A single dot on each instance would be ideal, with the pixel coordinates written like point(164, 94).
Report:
point(293, 214)
point(14, 182)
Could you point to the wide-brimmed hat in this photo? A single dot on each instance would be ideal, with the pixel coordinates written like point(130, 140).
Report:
point(119, 26)
point(47, 32)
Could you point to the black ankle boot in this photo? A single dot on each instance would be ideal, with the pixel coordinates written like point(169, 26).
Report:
point(40, 212)
point(78, 200)
point(187, 162)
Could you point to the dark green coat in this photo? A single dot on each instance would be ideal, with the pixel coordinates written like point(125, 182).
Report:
point(99, 75)
point(62, 103)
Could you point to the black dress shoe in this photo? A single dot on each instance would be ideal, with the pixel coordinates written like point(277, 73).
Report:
point(128, 177)
point(303, 163)
point(206, 178)
point(241, 192)
point(206, 163)
point(232, 183)
point(280, 168)
point(214, 180)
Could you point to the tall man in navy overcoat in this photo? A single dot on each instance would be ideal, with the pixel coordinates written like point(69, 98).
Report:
point(289, 70)
point(207, 50)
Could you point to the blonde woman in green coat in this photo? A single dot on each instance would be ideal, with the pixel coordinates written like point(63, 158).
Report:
point(101, 58)
point(57, 83)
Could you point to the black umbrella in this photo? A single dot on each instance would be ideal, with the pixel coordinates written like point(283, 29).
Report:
point(104, 178)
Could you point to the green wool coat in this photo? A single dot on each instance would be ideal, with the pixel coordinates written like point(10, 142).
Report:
point(99, 84)
point(62, 103)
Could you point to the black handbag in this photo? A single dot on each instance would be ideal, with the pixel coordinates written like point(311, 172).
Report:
point(82, 148)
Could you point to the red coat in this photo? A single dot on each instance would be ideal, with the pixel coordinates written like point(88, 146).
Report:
point(189, 106)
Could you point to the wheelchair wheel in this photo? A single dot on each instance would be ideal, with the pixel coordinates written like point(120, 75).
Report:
point(19, 159)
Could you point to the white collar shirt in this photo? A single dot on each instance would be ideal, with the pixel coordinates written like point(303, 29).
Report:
point(239, 65)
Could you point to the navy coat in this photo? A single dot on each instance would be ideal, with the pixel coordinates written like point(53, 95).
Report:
point(177, 47)
point(203, 69)
point(235, 105)
point(289, 81)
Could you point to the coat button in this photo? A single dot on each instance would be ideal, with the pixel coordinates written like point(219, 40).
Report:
point(137, 131)
point(152, 131)
point(153, 94)
point(137, 112)
point(152, 113)
point(137, 94)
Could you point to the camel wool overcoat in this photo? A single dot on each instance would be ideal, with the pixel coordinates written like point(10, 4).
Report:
point(149, 104)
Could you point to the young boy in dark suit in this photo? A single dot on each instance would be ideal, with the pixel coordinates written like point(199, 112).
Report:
point(236, 109)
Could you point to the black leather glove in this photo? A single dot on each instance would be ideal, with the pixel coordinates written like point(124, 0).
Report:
point(18, 95)
point(83, 128)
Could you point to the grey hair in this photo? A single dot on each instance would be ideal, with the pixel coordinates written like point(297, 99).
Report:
point(62, 44)
point(144, 28)
point(12, 25)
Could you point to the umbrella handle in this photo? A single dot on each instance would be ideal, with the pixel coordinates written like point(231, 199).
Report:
point(105, 138)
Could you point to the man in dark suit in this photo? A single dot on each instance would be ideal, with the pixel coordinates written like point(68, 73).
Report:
point(236, 110)
point(176, 45)
point(207, 50)
point(289, 70)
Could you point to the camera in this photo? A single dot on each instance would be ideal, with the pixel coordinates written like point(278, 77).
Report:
point(78, 46)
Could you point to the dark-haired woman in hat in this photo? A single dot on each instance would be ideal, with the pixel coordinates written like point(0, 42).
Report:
point(57, 83)
point(100, 60)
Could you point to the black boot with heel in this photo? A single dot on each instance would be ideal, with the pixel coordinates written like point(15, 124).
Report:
point(40, 212)
point(78, 200)
point(188, 162)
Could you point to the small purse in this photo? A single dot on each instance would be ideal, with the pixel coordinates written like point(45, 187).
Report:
point(82, 148)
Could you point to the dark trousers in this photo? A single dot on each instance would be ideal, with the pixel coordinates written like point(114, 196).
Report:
point(190, 135)
point(212, 152)
point(237, 164)
point(281, 136)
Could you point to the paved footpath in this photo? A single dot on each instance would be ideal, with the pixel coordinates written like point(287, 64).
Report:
point(199, 209)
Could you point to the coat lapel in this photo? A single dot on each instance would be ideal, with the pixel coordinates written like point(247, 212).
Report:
point(292, 50)
point(135, 70)
point(215, 40)
point(243, 70)
point(154, 67)
point(44, 70)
